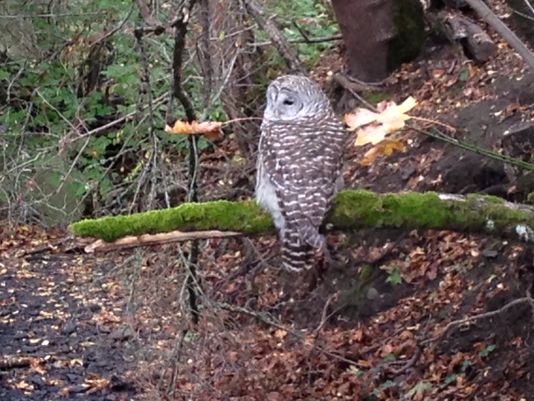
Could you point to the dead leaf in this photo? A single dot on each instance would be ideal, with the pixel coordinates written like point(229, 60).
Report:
point(386, 148)
point(372, 133)
point(210, 129)
point(359, 118)
point(280, 334)
point(374, 126)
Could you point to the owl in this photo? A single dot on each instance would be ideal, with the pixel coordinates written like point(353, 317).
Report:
point(299, 165)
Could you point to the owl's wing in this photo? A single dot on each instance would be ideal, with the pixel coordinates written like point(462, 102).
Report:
point(304, 168)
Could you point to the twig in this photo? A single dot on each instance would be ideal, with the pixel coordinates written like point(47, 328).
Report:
point(13, 362)
point(156, 239)
point(148, 18)
point(319, 39)
point(51, 15)
point(435, 133)
point(354, 86)
point(180, 31)
point(206, 51)
point(279, 41)
point(157, 101)
point(409, 363)
point(324, 315)
point(523, 15)
point(267, 320)
point(434, 122)
point(114, 30)
point(529, 6)
point(150, 167)
point(470, 319)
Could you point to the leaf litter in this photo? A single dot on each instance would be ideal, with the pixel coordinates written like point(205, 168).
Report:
point(355, 336)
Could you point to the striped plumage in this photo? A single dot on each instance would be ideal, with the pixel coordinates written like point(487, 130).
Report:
point(299, 165)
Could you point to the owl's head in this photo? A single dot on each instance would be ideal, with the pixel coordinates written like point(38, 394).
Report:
point(291, 97)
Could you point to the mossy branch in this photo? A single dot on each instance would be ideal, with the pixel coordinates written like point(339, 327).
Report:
point(352, 209)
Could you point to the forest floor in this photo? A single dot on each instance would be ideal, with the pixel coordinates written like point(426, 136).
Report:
point(421, 315)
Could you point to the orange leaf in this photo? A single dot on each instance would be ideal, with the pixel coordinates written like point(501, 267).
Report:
point(210, 129)
point(386, 147)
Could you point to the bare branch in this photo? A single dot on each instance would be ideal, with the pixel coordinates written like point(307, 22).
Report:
point(275, 35)
point(156, 239)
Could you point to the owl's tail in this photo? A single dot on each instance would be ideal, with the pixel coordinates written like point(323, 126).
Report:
point(297, 255)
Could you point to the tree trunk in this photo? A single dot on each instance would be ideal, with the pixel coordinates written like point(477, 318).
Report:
point(379, 35)
point(353, 209)
point(234, 68)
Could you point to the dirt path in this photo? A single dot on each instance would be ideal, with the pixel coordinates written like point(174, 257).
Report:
point(60, 332)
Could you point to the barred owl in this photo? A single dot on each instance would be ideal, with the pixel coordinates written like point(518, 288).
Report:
point(299, 165)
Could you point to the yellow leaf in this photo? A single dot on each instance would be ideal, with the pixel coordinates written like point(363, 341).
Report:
point(359, 118)
point(373, 127)
point(372, 133)
point(394, 116)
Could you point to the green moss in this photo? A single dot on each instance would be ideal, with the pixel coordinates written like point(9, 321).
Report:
point(415, 209)
point(376, 97)
point(485, 198)
point(245, 217)
point(356, 205)
point(352, 209)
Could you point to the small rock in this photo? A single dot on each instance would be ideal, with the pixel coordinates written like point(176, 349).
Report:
point(73, 378)
point(372, 293)
point(80, 388)
point(30, 349)
point(407, 172)
point(490, 253)
point(69, 327)
point(19, 335)
point(118, 384)
point(95, 308)
point(36, 380)
point(122, 333)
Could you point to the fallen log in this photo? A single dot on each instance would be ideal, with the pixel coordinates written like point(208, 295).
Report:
point(506, 33)
point(476, 43)
point(353, 209)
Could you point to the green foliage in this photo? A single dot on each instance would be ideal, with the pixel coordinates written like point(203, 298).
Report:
point(394, 277)
point(452, 378)
point(86, 74)
point(388, 384)
point(487, 350)
point(417, 392)
point(301, 19)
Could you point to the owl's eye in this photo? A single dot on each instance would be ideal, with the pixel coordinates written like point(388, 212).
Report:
point(288, 102)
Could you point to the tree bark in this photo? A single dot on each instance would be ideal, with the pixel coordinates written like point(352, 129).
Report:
point(352, 209)
point(476, 43)
point(367, 28)
point(379, 35)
